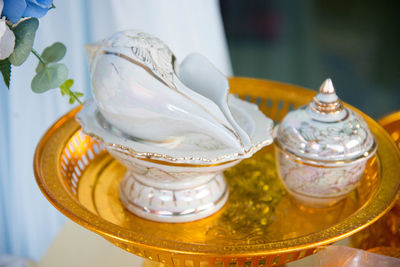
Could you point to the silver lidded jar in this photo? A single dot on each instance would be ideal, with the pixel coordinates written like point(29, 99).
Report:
point(322, 149)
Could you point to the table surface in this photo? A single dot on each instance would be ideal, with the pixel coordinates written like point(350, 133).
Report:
point(79, 247)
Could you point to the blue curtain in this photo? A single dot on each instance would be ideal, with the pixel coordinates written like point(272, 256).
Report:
point(28, 223)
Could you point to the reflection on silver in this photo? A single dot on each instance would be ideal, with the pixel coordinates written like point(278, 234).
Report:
point(322, 149)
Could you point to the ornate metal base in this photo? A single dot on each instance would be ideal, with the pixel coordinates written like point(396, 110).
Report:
point(173, 203)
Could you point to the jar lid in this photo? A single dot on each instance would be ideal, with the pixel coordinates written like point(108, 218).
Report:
point(325, 131)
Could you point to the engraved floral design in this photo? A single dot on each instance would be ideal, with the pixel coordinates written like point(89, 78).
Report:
point(312, 139)
point(253, 199)
point(149, 51)
point(328, 138)
point(153, 173)
point(319, 181)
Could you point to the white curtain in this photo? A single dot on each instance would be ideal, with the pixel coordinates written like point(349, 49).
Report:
point(28, 223)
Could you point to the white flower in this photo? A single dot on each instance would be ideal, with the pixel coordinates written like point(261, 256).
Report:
point(7, 38)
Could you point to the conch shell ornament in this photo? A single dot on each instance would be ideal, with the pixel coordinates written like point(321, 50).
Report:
point(173, 125)
point(141, 90)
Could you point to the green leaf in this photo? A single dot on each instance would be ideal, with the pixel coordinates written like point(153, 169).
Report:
point(39, 67)
point(51, 76)
point(65, 87)
point(5, 68)
point(66, 90)
point(54, 53)
point(24, 36)
point(67, 84)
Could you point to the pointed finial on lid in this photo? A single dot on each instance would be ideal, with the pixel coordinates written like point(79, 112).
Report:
point(327, 87)
point(326, 105)
point(327, 93)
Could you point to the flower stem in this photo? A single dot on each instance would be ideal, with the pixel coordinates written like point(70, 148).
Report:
point(38, 56)
point(77, 99)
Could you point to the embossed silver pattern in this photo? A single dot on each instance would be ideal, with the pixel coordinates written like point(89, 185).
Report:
point(322, 149)
point(326, 137)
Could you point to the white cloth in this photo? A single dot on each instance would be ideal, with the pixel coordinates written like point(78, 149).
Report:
point(28, 222)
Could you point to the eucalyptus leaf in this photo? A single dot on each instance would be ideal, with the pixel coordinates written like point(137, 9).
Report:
point(39, 67)
point(51, 76)
point(24, 36)
point(54, 53)
point(5, 68)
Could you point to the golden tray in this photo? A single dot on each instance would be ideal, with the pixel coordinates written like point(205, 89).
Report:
point(259, 226)
point(384, 235)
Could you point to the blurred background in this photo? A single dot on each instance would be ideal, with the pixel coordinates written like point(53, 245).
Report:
point(356, 43)
point(301, 42)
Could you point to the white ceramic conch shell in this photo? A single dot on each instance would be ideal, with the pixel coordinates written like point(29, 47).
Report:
point(175, 127)
point(140, 89)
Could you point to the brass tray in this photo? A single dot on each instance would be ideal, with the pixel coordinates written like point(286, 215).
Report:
point(259, 226)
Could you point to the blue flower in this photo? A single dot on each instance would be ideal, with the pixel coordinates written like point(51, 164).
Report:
point(14, 10)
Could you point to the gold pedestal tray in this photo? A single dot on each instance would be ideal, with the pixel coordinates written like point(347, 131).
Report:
point(259, 226)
